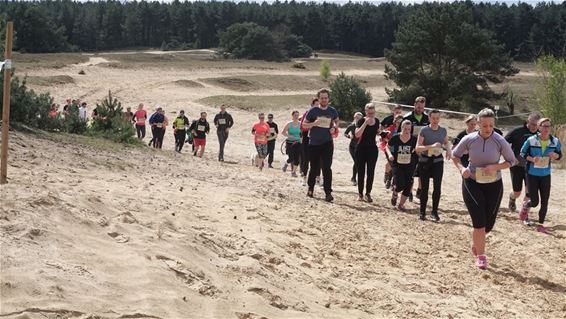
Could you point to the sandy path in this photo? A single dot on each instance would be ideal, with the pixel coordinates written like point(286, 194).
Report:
point(114, 232)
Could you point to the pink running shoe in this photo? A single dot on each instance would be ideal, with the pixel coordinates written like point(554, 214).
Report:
point(481, 262)
point(541, 229)
point(524, 213)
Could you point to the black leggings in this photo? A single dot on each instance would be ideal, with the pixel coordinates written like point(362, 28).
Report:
point(536, 185)
point(365, 156)
point(321, 157)
point(270, 151)
point(305, 154)
point(403, 178)
point(140, 130)
point(294, 152)
point(159, 133)
point(434, 171)
point(179, 139)
point(352, 149)
point(482, 201)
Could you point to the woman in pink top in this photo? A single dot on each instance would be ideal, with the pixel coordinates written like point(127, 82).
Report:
point(260, 132)
point(139, 117)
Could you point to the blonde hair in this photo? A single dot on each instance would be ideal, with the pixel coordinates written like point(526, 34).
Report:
point(469, 118)
point(542, 120)
point(356, 114)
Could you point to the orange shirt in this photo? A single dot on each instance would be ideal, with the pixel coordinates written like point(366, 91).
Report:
point(261, 132)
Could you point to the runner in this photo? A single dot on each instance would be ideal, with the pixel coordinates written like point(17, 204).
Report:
point(389, 119)
point(180, 124)
point(471, 123)
point(432, 139)
point(271, 139)
point(419, 119)
point(292, 131)
point(517, 138)
point(305, 144)
point(403, 158)
point(260, 131)
point(152, 126)
point(223, 122)
point(200, 129)
point(351, 134)
point(482, 188)
point(322, 122)
point(367, 129)
point(140, 116)
point(158, 123)
point(385, 136)
point(539, 150)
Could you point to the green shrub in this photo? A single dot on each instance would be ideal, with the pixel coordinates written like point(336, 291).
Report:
point(550, 96)
point(111, 123)
point(325, 70)
point(348, 96)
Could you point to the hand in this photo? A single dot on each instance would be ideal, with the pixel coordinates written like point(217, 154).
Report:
point(391, 158)
point(316, 122)
point(553, 156)
point(466, 172)
point(536, 159)
point(436, 145)
point(227, 129)
point(332, 130)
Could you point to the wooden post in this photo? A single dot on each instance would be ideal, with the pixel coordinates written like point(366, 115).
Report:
point(6, 103)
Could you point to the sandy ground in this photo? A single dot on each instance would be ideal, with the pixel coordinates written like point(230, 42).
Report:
point(93, 230)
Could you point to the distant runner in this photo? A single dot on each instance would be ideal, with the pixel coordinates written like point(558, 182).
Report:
point(273, 131)
point(180, 125)
point(260, 131)
point(350, 133)
point(200, 129)
point(403, 158)
point(292, 131)
point(140, 117)
point(223, 122)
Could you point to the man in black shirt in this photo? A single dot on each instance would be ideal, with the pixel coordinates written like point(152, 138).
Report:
point(419, 119)
point(223, 122)
point(517, 138)
point(273, 131)
point(199, 130)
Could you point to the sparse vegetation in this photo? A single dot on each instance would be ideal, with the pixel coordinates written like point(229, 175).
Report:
point(325, 70)
point(550, 96)
point(348, 96)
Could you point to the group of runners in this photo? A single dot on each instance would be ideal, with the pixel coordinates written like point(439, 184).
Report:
point(416, 146)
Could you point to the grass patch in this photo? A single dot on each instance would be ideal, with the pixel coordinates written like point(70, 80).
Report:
point(29, 61)
point(188, 84)
point(50, 80)
point(285, 82)
point(259, 102)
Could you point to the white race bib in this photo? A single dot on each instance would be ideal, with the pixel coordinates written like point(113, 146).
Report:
point(272, 130)
point(434, 151)
point(201, 128)
point(221, 121)
point(324, 122)
point(160, 125)
point(543, 162)
point(483, 177)
point(417, 130)
point(187, 127)
point(403, 158)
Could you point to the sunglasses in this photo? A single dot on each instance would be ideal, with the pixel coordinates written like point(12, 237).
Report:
point(420, 101)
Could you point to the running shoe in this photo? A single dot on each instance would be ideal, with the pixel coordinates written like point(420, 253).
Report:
point(329, 198)
point(360, 198)
point(310, 193)
point(422, 216)
point(481, 262)
point(512, 204)
point(394, 199)
point(435, 217)
point(524, 214)
point(284, 167)
point(388, 184)
point(354, 182)
point(270, 166)
point(368, 198)
point(293, 174)
point(541, 229)
point(527, 222)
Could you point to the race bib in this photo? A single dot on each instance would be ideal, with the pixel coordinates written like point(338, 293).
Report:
point(483, 177)
point(160, 125)
point(201, 128)
point(187, 127)
point(417, 130)
point(403, 158)
point(434, 151)
point(324, 122)
point(543, 162)
point(272, 130)
point(221, 121)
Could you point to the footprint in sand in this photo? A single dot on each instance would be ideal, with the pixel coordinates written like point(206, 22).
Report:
point(119, 238)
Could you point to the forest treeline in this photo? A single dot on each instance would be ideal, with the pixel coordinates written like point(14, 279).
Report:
point(53, 26)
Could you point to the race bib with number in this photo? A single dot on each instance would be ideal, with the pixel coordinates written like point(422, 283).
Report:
point(272, 130)
point(403, 158)
point(543, 162)
point(221, 121)
point(160, 125)
point(484, 177)
point(201, 128)
point(434, 151)
point(324, 122)
point(417, 130)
